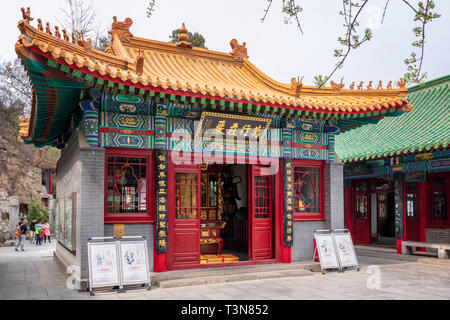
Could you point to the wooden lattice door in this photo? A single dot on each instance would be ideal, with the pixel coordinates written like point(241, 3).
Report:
point(261, 213)
point(184, 216)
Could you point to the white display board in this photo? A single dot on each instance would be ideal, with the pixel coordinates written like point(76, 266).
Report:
point(134, 262)
point(326, 250)
point(345, 250)
point(103, 264)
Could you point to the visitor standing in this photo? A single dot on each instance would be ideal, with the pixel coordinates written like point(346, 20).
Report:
point(21, 232)
point(46, 226)
point(33, 230)
point(39, 229)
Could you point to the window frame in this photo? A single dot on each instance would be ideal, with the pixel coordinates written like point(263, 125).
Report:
point(127, 218)
point(431, 221)
point(310, 216)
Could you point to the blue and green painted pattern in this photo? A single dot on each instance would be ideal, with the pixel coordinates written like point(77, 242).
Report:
point(89, 125)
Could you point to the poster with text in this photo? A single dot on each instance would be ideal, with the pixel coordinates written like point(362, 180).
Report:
point(103, 266)
point(345, 250)
point(134, 262)
point(327, 254)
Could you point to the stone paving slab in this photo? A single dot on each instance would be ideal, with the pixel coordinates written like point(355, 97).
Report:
point(42, 279)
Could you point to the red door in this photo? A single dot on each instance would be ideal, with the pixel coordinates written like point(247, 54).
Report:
point(361, 211)
point(412, 212)
point(261, 213)
point(184, 216)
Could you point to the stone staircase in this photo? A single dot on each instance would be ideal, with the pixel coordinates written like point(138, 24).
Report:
point(183, 278)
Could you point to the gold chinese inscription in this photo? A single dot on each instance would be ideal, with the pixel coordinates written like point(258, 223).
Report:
point(235, 127)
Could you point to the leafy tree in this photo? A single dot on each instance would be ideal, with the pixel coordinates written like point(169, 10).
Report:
point(195, 38)
point(37, 211)
point(354, 38)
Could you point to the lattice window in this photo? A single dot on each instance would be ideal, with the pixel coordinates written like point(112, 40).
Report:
point(411, 205)
point(361, 206)
point(186, 196)
point(263, 204)
point(439, 198)
point(307, 191)
point(127, 189)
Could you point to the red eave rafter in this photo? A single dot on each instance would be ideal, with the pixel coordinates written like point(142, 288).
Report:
point(199, 95)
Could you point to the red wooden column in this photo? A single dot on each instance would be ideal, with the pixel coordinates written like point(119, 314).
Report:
point(348, 215)
point(159, 262)
point(423, 212)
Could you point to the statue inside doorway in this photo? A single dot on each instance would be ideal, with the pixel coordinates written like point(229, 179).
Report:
point(230, 194)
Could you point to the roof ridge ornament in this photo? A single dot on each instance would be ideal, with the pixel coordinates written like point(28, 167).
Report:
point(337, 86)
point(183, 38)
point(239, 52)
point(401, 83)
point(26, 14)
point(121, 29)
point(296, 86)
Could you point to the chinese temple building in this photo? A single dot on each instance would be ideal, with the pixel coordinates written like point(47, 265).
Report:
point(397, 172)
point(210, 159)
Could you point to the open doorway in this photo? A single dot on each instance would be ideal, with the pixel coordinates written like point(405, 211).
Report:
point(386, 219)
point(224, 214)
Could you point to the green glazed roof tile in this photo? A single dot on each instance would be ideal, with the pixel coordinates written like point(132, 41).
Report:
point(426, 127)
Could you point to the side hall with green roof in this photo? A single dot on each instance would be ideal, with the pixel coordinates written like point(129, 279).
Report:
point(426, 127)
point(397, 172)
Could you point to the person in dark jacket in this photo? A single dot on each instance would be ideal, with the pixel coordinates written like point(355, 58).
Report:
point(32, 230)
point(23, 229)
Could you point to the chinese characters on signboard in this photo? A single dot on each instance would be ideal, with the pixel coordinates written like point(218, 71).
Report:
point(161, 210)
point(226, 127)
point(398, 193)
point(288, 224)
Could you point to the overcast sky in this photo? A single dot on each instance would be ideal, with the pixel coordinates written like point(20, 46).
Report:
point(277, 49)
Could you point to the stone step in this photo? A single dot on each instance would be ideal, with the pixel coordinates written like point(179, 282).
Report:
point(421, 257)
point(231, 272)
point(182, 282)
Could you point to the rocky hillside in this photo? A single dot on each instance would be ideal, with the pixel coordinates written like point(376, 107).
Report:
point(17, 174)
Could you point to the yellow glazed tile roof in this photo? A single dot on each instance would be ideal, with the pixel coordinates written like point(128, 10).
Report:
point(180, 69)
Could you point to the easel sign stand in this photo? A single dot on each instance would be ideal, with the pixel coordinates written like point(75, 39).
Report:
point(326, 250)
point(134, 264)
point(335, 250)
point(118, 265)
point(345, 250)
point(104, 271)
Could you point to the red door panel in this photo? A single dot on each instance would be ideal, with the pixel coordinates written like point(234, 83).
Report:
point(361, 213)
point(261, 213)
point(184, 216)
point(412, 212)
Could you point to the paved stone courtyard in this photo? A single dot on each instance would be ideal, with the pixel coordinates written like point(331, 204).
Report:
point(33, 275)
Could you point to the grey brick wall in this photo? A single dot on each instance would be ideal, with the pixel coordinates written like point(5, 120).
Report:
point(438, 235)
point(141, 229)
point(90, 221)
point(303, 248)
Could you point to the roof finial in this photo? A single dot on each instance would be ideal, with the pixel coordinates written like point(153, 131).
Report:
point(183, 38)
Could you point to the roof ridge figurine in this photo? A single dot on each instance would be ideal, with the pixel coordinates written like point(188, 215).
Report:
point(296, 86)
point(337, 86)
point(239, 52)
point(121, 29)
point(27, 15)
